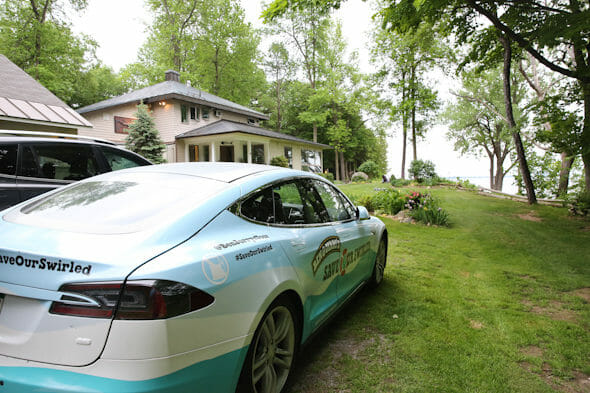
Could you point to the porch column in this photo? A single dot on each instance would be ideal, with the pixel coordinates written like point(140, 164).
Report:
point(212, 155)
point(186, 153)
point(249, 152)
point(267, 147)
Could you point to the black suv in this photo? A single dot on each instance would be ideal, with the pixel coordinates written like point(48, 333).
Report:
point(32, 165)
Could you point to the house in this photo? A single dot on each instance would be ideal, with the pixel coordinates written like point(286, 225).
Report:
point(198, 126)
point(26, 105)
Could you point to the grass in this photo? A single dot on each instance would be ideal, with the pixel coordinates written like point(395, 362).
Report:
point(495, 303)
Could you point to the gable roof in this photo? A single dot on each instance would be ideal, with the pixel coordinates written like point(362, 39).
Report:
point(22, 98)
point(173, 89)
point(228, 126)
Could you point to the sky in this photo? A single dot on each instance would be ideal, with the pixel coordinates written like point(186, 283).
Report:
point(119, 28)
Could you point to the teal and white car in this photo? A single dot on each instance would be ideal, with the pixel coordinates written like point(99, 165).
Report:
point(200, 277)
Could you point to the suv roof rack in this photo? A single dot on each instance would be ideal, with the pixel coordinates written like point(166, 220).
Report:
point(55, 135)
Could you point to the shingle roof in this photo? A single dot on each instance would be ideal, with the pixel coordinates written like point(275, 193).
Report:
point(22, 97)
point(172, 89)
point(227, 126)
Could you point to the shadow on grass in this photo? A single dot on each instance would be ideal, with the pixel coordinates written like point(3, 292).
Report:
point(349, 324)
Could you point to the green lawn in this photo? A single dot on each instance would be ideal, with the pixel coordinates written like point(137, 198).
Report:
point(497, 302)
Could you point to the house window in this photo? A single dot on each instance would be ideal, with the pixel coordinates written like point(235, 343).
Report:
point(205, 113)
point(244, 153)
point(183, 113)
point(251, 121)
point(289, 155)
point(258, 154)
point(311, 161)
point(194, 113)
point(122, 124)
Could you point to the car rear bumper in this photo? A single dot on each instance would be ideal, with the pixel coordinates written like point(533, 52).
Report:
point(219, 374)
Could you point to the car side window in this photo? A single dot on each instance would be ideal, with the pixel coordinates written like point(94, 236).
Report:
point(290, 203)
point(117, 159)
point(339, 209)
point(58, 161)
point(314, 210)
point(8, 159)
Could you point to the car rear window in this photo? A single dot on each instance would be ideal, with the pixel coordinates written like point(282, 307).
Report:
point(128, 204)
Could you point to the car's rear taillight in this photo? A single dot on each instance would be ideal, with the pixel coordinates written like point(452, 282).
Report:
point(145, 299)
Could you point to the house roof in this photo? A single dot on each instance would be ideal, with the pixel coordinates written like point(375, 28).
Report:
point(173, 90)
point(227, 126)
point(24, 99)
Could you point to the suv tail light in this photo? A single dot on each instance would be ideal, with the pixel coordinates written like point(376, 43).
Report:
point(145, 299)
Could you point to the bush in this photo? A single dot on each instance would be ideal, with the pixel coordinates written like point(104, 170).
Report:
point(370, 168)
point(389, 201)
point(399, 182)
point(280, 161)
point(581, 204)
point(424, 208)
point(327, 175)
point(359, 177)
point(423, 171)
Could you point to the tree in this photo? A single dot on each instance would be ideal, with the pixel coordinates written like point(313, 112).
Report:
point(306, 31)
point(405, 60)
point(208, 42)
point(144, 138)
point(476, 122)
point(280, 68)
point(35, 35)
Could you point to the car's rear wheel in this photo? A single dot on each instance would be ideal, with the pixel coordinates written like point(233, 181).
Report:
point(272, 351)
point(380, 262)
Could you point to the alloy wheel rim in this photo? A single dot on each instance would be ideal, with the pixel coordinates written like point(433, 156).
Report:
point(273, 351)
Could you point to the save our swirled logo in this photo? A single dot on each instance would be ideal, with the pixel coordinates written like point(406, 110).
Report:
point(329, 245)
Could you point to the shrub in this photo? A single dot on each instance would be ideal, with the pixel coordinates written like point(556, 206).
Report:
point(327, 175)
point(366, 200)
point(390, 201)
point(370, 168)
point(280, 161)
point(423, 171)
point(359, 177)
point(424, 208)
point(581, 204)
point(399, 182)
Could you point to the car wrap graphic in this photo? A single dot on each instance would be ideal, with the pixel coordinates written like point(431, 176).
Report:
point(329, 245)
point(45, 264)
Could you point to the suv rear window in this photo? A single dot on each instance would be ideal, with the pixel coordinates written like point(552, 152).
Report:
point(118, 159)
point(8, 159)
point(58, 161)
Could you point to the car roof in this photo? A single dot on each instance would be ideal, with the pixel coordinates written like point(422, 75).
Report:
point(221, 171)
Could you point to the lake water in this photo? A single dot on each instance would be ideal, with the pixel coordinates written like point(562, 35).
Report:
point(509, 186)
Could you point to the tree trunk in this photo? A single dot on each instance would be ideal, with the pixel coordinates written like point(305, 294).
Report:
point(315, 132)
point(413, 96)
point(336, 165)
point(404, 126)
point(524, 168)
point(586, 134)
point(499, 178)
point(279, 117)
point(564, 173)
point(343, 175)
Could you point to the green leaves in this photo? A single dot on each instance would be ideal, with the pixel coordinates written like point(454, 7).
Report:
point(143, 137)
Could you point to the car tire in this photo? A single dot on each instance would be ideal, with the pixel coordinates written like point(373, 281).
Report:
point(271, 354)
point(380, 263)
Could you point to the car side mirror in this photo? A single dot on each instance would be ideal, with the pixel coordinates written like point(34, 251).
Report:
point(362, 213)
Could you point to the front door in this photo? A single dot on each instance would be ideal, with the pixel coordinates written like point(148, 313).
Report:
point(226, 153)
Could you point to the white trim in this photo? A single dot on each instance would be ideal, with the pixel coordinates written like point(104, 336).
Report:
point(45, 123)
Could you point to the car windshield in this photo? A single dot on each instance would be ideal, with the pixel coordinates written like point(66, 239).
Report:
point(128, 203)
